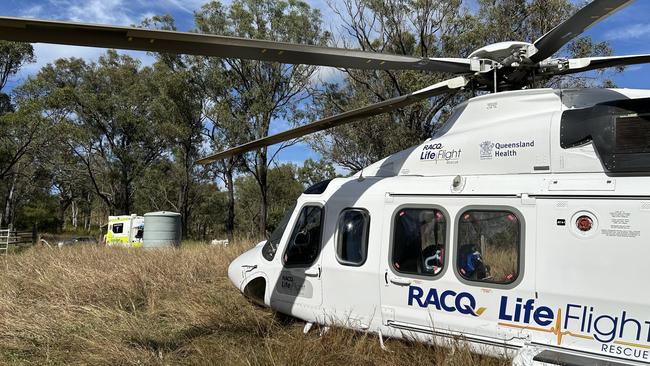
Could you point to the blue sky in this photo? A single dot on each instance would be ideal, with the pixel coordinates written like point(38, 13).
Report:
point(628, 32)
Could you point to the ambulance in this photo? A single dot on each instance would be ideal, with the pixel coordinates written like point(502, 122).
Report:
point(125, 231)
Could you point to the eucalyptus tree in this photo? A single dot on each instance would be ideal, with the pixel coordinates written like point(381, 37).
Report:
point(314, 171)
point(179, 110)
point(109, 106)
point(13, 56)
point(254, 93)
point(284, 188)
point(16, 133)
point(24, 131)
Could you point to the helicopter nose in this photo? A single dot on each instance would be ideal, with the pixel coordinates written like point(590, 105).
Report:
point(244, 265)
point(235, 273)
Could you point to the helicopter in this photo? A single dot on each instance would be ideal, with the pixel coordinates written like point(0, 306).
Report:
point(519, 228)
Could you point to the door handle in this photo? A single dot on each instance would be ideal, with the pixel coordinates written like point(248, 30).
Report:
point(312, 272)
point(400, 281)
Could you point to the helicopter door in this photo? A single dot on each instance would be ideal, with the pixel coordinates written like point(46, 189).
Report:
point(298, 288)
point(450, 264)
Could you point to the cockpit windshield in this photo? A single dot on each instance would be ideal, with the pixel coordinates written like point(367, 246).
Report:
point(449, 123)
point(271, 245)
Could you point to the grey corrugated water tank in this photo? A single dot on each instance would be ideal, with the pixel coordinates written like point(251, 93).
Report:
point(162, 229)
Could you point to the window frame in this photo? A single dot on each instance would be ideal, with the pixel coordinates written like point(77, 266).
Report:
point(366, 237)
point(293, 227)
point(447, 240)
point(522, 246)
point(288, 216)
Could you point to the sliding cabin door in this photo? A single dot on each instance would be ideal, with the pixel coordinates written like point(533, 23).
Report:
point(457, 266)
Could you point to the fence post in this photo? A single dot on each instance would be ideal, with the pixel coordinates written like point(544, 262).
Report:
point(34, 235)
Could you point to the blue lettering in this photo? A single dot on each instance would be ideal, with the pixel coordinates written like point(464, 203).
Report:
point(502, 309)
point(443, 301)
point(625, 321)
point(568, 315)
point(543, 316)
point(528, 310)
point(432, 299)
point(467, 308)
point(415, 293)
point(605, 336)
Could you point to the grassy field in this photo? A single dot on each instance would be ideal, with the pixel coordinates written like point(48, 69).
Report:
point(90, 306)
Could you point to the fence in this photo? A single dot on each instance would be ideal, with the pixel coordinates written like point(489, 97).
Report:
point(17, 239)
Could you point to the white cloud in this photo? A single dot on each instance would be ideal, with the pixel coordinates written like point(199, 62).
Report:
point(188, 6)
point(632, 31)
point(116, 12)
point(33, 11)
point(100, 11)
point(325, 74)
point(91, 11)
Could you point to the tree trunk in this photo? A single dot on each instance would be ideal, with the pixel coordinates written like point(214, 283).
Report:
point(75, 214)
point(7, 216)
point(263, 184)
point(183, 204)
point(64, 203)
point(230, 220)
point(125, 205)
point(89, 212)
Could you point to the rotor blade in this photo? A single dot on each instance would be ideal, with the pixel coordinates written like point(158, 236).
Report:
point(582, 20)
point(343, 118)
point(30, 30)
point(594, 63)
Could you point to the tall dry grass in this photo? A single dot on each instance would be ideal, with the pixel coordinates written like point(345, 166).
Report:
point(503, 262)
point(96, 306)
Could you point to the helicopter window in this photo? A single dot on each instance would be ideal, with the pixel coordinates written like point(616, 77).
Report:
point(445, 126)
point(488, 246)
point(304, 244)
point(419, 241)
point(352, 237)
point(271, 245)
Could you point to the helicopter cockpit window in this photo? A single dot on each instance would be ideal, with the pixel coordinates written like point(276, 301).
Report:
point(304, 244)
point(488, 246)
point(445, 126)
point(271, 245)
point(352, 237)
point(419, 241)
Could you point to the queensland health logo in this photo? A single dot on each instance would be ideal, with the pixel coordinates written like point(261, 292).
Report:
point(447, 300)
point(507, 149)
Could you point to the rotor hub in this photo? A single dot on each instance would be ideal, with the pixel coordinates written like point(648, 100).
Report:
point(504, 51)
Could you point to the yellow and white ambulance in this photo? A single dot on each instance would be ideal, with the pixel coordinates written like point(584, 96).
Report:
point(125, 231)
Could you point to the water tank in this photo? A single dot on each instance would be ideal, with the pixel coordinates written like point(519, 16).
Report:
point(162, 229)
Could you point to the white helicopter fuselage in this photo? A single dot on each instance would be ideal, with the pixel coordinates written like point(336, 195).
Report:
point(491, 232)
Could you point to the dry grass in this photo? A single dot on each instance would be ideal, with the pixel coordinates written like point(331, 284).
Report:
point(502, 262)
point(95, 306)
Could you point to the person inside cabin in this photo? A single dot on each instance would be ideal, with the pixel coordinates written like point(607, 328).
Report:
point(471, 264)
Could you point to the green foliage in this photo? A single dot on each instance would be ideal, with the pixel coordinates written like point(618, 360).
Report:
point(284, 189)
point(13, 56)
point(247, 95)
point(314, 171)
point(109, 105)
point(5, 104)
point(37, 212)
